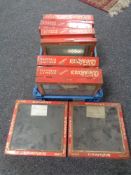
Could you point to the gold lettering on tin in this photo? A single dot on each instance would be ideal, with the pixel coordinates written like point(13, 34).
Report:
point(85, 73)
point(47, 72)
point(99, 154)
point(85, 62)
point(47, 60)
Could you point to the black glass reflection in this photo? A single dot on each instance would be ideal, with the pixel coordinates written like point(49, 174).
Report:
point(38, 132)
point(64, 50)
point(96, 134)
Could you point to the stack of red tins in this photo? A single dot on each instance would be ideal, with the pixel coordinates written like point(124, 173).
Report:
point(68, 65)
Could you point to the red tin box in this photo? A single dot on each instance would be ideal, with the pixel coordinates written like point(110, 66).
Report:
point(73, 46)
point(68, 80)
point(67, 24)
point(38, 128)
point(71, 61)
point(69, 16)
point(66, 32)
point(97, 130)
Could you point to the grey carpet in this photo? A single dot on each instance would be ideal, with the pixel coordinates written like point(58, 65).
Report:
point(19, 45)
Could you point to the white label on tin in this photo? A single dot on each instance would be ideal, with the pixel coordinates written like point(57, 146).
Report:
point(95, 112)
point(39, 110)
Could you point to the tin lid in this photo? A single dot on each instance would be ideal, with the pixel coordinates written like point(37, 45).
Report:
point(69, 75)
point(66, 24)
point(69, 16)
point(77, 61)
point(56, 31)
point(38, 128)
point(97, 130)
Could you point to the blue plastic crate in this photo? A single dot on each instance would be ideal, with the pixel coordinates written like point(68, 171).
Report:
point(98, 97)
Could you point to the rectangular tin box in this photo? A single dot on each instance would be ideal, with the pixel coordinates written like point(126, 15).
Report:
point(97, 130)
point(71, 61)
point(68, 80)
point(38, 128)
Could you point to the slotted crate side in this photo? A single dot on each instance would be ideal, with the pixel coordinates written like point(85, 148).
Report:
point(98, 97)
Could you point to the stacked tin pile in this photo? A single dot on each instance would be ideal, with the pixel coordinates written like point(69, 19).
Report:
point(67, 69)
point(68, 65)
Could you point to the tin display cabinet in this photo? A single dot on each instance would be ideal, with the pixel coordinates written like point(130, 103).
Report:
point(37, 130)
point(97, 130)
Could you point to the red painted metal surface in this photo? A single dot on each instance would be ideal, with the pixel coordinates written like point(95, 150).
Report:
point(66, 32)
point(69, 76)
point(71, 61)
point(62, 74)
point(72, 40)
point(67, 24)
point(69, 16)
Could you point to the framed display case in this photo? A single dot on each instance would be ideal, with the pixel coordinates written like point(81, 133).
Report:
point(38, 128)
point(97, 130)
point(68, 80)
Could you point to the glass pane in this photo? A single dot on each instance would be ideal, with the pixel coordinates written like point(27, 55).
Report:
point(96, 128)
point(62, 89)
point(66, 50)
point(38, 127)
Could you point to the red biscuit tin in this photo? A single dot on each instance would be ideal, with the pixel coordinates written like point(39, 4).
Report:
point(97, 130)
point(38, 128)
point(68, 80)
point(71, 61)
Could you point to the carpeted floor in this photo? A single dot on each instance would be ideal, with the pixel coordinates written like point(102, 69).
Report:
point(19, 44)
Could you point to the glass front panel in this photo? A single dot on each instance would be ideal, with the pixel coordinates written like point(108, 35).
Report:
point(63, 89)
point(96, 128)
point(66, 50)
point(38, 127)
